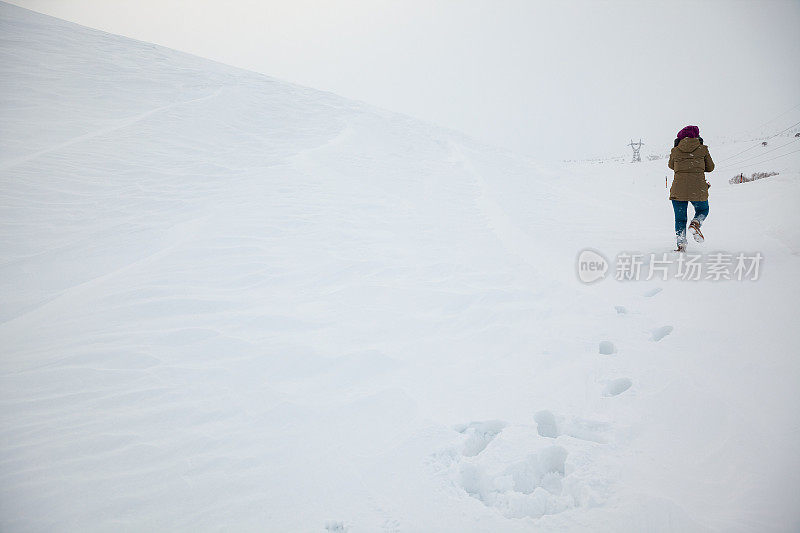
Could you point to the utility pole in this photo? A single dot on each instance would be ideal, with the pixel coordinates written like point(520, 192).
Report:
point(636, 147)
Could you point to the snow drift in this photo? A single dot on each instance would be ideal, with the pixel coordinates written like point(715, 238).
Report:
point(232, 303)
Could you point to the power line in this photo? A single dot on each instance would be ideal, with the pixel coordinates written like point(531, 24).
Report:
point(740, 153)
point(762, 153)
point(787, 129)
point(768, 160)
point(759, 142)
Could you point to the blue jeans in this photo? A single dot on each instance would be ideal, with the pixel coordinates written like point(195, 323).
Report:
point(700, 214)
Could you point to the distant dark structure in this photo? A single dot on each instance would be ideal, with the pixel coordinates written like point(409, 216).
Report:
point(636, 147)
point(764, 143)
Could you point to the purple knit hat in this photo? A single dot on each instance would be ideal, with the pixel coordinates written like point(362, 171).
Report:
point(689, 131)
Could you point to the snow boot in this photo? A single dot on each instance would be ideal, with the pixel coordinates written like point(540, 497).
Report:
point(681, 247)
point(694, 227)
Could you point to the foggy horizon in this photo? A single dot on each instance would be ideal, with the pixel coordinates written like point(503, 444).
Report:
point(552, 81)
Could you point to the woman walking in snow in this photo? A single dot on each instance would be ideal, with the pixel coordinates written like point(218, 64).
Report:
point(690, 160)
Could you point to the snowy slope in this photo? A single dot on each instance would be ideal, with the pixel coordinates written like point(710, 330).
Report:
point(231, 303)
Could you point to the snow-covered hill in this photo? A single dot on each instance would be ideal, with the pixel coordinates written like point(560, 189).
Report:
point(231, 303)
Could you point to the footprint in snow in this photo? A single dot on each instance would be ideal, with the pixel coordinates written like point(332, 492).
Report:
point(546, 424)
point(479, 435)
point(620, 309)
point(607, 348)
point(617, 386)
point(659, 333)
point(335, 527)
point(578, 428)
point(527, 488)
point(652, 292)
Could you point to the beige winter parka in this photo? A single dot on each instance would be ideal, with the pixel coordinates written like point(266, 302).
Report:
point(690, 160)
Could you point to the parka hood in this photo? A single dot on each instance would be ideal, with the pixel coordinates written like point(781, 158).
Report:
point(689, 144)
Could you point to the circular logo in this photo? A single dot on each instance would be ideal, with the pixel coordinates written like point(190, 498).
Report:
point(592, 266)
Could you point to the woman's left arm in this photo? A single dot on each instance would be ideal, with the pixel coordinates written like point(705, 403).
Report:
point(709, 162)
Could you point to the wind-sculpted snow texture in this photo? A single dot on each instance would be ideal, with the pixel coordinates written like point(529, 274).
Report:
point(231, 303)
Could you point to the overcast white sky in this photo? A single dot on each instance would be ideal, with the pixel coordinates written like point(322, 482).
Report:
point(553, 79)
